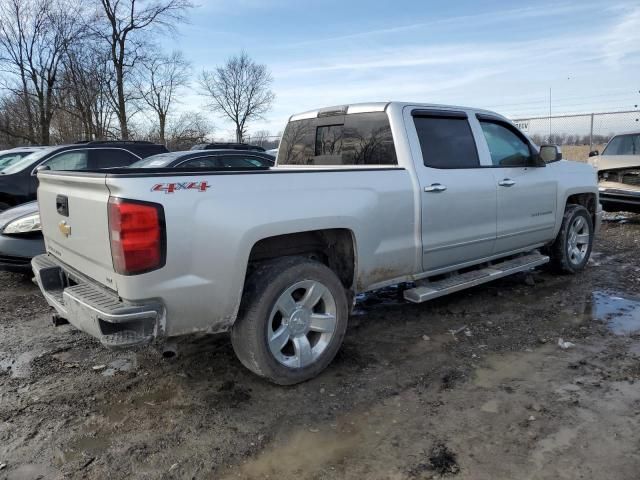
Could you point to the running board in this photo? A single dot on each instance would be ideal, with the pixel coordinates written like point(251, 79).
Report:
point(429, 290)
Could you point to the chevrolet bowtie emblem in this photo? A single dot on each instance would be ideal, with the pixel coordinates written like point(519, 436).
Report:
point(64, 228)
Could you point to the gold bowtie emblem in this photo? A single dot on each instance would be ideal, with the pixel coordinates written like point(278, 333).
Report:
point(64, 228)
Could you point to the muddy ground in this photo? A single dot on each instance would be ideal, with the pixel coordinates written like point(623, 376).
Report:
point(405, 399)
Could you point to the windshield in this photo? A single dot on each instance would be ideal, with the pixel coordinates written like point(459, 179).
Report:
point(26, 161)
point(156, 161)
point(7, 159)
point(624, 145)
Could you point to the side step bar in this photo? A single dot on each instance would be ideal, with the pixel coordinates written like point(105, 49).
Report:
point(429, 290)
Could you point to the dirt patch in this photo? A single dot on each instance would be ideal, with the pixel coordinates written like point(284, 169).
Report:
point(470, 386)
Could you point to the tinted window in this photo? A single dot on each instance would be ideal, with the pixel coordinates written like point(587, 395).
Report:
point(507, 148)
point(111, 158)
point(623, 145)
point(201, 162)
point(446, 142)
point(362, 139)
point(71, 160)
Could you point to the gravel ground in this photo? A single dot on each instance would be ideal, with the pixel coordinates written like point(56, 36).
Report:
point(470, 386)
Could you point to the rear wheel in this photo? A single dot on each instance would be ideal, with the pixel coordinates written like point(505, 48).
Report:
point(572, 247)
point(292, 320)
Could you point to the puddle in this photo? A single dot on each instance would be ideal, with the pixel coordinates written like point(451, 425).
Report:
point(620, 313)
point(85, 446)
point(20, 366)
point(124, 364)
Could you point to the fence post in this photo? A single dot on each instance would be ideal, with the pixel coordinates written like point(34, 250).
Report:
point(591, 135)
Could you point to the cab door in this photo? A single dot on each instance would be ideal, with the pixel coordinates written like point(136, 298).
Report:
point(457, 195)
point(526, 192)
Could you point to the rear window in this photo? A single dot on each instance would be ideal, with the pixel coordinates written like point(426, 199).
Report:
point(357, 139)
point(623, 145)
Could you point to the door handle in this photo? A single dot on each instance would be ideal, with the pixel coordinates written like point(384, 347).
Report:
point(435, 188)
point(507, 182)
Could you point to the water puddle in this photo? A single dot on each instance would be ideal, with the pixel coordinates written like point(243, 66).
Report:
point(125, 364)
point(620, 313)
point(20, 366)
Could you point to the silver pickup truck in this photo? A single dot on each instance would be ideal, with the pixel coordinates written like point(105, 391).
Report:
point(363, 196)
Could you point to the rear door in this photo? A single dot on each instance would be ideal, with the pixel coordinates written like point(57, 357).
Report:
point(526, 193)
point(73, 211)
point(458, 196)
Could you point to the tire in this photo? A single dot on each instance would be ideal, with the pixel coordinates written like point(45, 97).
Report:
point(570, 251)
point(286, 301)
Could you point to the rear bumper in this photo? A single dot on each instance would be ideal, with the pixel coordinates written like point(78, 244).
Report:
point(16, 252)
point(94, 309)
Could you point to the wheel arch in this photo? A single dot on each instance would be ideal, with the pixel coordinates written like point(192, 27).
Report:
point(334, 247)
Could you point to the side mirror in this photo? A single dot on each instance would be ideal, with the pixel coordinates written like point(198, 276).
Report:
point(550, 153)
point(41, 168)
point(594, 153)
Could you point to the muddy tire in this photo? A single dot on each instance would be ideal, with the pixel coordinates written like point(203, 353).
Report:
point(570, 251)
point(292, 320)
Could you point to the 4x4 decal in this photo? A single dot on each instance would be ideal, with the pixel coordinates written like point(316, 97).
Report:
point(174, 187)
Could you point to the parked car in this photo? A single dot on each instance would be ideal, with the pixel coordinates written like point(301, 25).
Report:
point(20, 233)
point(18, 181)
point(226, 158)
point(362, 197)
point(8, 157)
point(226, 146)
point(619, 173)
point(273, 151)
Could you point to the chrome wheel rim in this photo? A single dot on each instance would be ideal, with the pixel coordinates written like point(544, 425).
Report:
point(302, 324)
point(578, 240)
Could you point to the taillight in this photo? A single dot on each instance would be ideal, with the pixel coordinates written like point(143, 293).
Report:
point(137, 234)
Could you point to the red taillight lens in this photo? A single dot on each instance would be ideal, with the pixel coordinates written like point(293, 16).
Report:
point(136, 230)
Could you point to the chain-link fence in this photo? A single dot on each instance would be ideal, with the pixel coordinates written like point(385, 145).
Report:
point(579, 134)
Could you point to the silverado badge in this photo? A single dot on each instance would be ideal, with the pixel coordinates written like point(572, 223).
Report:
point(65, 228)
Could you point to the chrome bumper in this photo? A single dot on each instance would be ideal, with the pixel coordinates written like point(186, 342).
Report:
point(94, 309)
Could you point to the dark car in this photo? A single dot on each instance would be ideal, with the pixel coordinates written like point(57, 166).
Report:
point(208, 159)
point(227, 146)
point(20, 234)
point(18, 181)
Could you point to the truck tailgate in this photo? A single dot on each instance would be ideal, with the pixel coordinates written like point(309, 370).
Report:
point(75, 222)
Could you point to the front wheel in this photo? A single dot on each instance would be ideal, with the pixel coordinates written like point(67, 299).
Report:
point(572, 247)
point(292, 320)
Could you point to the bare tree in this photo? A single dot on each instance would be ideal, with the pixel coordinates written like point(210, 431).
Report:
point(182, 131)
point(126, 20)
point(34, 36)
point(160, 79)
point(85, 89)
point(239, 90)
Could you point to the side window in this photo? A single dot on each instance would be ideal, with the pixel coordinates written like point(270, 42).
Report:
point(71, 160)
point(363, 139)
point(446, 142)
point(201, 162)
point(506, 147)
point(110, 158)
